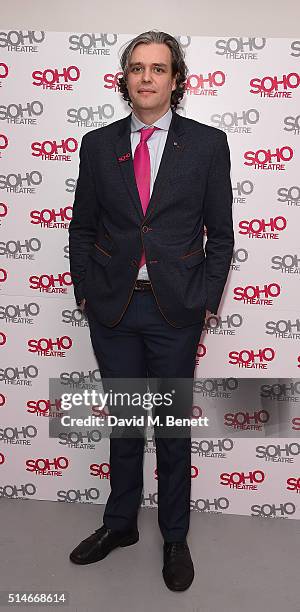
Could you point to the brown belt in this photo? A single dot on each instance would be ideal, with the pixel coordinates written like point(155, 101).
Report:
point(142, 285)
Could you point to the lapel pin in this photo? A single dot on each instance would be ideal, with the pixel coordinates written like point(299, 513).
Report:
point(124, 157)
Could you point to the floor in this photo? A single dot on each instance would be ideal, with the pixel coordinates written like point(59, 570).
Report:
point(242, 564)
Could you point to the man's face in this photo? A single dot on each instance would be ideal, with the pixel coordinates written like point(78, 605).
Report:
point(149, 81)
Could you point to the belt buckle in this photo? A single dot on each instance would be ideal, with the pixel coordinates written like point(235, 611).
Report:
point(142, 285)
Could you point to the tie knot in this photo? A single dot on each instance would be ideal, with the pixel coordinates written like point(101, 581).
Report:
point(146, 133)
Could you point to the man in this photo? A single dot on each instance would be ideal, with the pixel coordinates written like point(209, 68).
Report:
point(138, 266)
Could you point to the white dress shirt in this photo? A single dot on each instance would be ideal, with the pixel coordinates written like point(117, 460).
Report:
point(156, 144)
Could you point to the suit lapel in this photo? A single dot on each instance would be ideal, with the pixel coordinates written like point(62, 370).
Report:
point(125, 160)
point(170, 162)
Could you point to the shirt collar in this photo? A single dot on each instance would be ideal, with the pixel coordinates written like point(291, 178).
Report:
point(163, 123)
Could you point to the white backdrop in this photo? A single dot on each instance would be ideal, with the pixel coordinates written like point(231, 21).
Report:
point(54, 88)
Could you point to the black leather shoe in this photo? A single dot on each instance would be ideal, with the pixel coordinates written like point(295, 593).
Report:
point(178, 570)
point(100, 543)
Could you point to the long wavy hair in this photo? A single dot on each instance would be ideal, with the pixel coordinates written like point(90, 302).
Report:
point(179, 66)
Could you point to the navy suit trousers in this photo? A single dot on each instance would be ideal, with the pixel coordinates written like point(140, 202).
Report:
point(143, 344)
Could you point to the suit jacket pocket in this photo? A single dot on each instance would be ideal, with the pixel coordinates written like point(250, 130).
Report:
point(193, 258)
point(102, 256)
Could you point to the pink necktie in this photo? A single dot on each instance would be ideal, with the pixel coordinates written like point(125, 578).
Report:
point(142, 171)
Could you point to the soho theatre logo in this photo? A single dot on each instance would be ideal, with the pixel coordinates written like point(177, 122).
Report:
point(287, 264)
point(25, 113)
point(92, 44)
point(89, 117)
point(56, 79)
point(279, 453)
point(241, 190)
point(70, 185)
point(275, 86)
point(77, 379)
point(292, 124)
point(51, 150)
point(4, 71)
point(18, 183)
point(248, 481)
point(241, 48)
point(74, 317)
point(273, 511)
point(50, 218)
point(49, 347)
point(3, 211)
point(183, 40)
point(100, 470)
point(262, 295)
point(48, 283)
point(253, 421)
point(218, 505)
point(239, 256)
point(4, 142)
point(21, 436)
point(45, 407)
point(111, 81)
point(86, 496)
point(236, 122)
point(295, 422)
point(80, 440)
point(47, 467)
point(17, 313)
point(3, 276)
point(281, 392)
point(267, 159)
point(268, 229)
point(151, 498)
point(207, 84)
point(21, 376)
point(258, 359)
point(22, 41)
point(295, 48)
point(216, 449)
point(223, 325)
point(15, 249)
point(201, 352)
point(286, 329)
point(293, 484)
point(17, 491)
point(216, 387)
point(289, 195)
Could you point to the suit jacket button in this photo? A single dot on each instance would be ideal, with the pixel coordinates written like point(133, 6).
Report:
point(145, 229)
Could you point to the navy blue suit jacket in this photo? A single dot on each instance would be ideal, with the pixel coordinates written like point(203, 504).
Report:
point(109, 230)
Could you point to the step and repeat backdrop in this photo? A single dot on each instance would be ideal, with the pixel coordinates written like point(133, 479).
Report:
point(55, 87)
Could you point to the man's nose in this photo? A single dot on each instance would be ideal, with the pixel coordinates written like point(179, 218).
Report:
point(147, 74)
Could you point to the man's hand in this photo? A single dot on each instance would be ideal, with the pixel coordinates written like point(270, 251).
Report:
point(208, 313)
point(82, 305)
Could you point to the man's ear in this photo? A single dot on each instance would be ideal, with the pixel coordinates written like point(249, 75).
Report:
point(175, 81)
